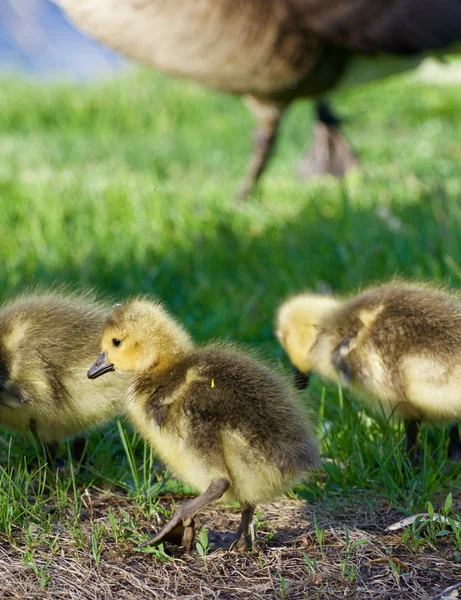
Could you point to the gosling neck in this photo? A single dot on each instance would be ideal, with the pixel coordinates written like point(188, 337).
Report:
point(167, 360)
point(326, 341)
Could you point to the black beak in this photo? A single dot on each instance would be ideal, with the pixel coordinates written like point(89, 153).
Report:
point(301, 380)
point(100, 367)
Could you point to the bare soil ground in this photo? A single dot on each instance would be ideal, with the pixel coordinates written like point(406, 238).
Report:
point(380, 568)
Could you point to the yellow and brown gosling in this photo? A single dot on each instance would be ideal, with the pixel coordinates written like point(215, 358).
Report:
point(226, 423)
point(46, 342)
point(398, 345)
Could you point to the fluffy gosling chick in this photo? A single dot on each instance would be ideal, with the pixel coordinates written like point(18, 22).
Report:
point(223, 421)
point(398, 345)
point(46, 342)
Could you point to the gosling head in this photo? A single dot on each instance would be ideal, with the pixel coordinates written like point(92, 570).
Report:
point(298, 323)
point(139, 337)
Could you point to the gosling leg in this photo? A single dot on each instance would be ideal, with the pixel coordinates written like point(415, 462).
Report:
point(412, 431)
point(78, 450)
point(241, 537)
point(51, 449)
point(331, 152)
point(268, 115)
point(187, 511)
point(454, 445)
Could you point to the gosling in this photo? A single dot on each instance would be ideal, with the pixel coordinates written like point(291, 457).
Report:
point(46, 341)
point(222, 420)
point(398, 345)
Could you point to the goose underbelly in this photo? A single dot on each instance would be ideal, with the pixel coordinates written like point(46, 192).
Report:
point(240, 47)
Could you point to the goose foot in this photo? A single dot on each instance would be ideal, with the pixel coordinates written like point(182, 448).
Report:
point(331, 152)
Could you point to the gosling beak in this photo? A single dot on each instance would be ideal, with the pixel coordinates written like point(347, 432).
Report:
point(301, 379)
point(100, 367)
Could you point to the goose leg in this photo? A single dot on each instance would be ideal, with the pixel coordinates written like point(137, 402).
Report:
point(331, 152)
point(241, 542)
point(268, 115)
point(186, 512)
point(454, 445)
point(412, 430)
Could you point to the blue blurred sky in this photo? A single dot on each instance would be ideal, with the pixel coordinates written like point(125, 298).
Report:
point(36, 39)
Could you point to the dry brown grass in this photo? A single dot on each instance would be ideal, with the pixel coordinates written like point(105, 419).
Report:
point(380, 568)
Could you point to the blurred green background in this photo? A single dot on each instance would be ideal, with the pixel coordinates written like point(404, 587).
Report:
point(127, 184)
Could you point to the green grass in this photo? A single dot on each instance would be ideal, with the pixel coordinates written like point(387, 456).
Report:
point(127, 185)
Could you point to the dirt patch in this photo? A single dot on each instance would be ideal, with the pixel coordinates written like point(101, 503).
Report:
point(356, 561)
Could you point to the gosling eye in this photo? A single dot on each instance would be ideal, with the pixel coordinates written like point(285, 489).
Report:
point(116, 342)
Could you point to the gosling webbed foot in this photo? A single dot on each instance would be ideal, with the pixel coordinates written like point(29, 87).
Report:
point(184, 516)
point(240, 544)
point(188, 536)
point(242, 541)
point(182, 534)
point(179, 530)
